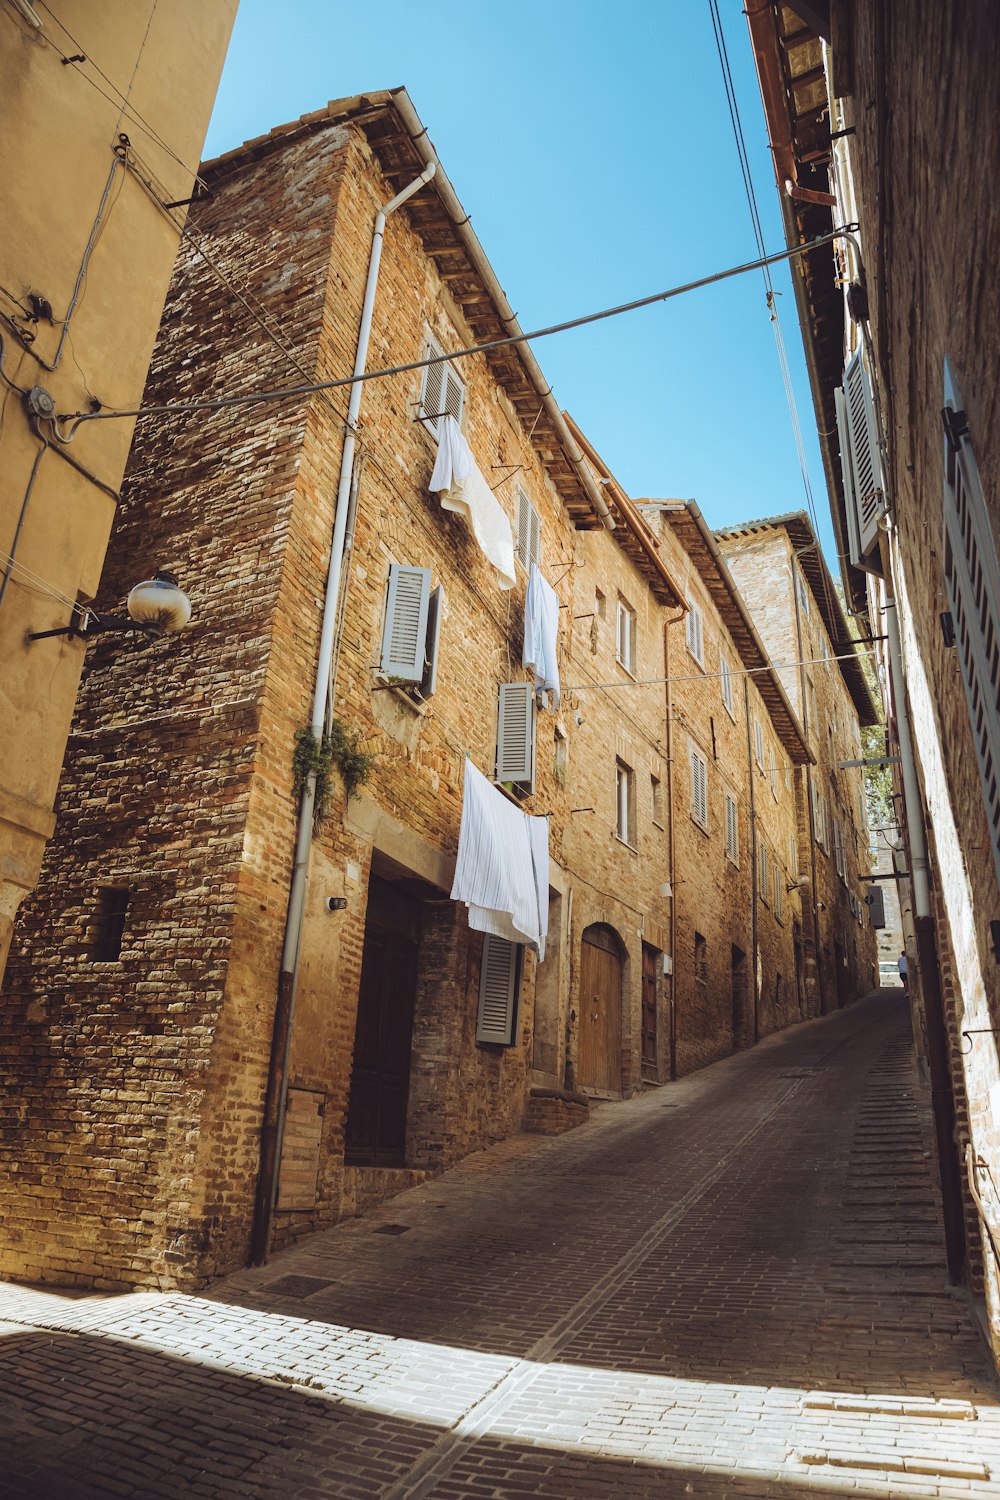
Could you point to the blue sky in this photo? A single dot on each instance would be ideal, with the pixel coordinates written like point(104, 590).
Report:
point(592, 146)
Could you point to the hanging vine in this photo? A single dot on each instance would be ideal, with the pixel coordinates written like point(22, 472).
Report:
point(338, 747)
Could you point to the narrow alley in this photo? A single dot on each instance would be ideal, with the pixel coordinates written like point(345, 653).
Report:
point(732, 1286)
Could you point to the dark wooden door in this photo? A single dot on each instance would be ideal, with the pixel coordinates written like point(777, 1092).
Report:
point(599, 1062)
point(739, 996)
point(380, 1080)
point(648, 1009)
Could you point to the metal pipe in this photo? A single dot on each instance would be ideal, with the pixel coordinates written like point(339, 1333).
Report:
point(810, 819)
point(281, 1043)
point(754, 918)
point(671, 847)
point(11, 556)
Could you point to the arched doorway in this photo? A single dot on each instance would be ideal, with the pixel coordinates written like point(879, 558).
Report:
point(599, 1050)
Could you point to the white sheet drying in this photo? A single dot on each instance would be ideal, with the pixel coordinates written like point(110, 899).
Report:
point(541, 634)
point(464, 490)
point(502, 871)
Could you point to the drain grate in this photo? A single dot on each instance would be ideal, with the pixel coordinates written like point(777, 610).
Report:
point(296, 1286)
point(392, 1229)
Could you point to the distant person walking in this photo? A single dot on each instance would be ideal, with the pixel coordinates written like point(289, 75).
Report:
point(903, 970)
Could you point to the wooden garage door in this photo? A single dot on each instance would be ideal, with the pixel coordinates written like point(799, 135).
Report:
point(599, 1053)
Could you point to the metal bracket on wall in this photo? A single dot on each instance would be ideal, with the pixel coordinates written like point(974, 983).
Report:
point(979, 1031)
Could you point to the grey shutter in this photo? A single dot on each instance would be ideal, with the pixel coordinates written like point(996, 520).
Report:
point(535, 539)
point(529, 531)
point(435, 613)
point(876, 906)
point(454, 393)
point(404, 636)
point(861, 461)
point(516, 733)
point(972, 580)
point(498, 991)
point(431, 403)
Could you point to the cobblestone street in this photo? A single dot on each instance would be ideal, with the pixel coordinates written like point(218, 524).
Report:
point(730, 1286)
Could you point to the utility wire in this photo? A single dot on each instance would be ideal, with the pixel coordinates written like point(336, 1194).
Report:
point(774, 666)
point(290, 392)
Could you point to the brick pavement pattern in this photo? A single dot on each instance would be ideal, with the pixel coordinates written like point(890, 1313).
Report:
point(731, 1286)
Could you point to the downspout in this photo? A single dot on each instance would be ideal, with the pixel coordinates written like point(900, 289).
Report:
point(671, 846)
point(753, 864)
point(810, 820)
point(938, 1063)
point(281, 1041)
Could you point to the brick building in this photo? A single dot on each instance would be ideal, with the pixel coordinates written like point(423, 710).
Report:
point(781, 573)
point(145, 1033)
point(874, 113)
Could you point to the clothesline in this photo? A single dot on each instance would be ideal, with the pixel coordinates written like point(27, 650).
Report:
point(774, 666)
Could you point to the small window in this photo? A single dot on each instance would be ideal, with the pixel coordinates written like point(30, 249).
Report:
point(442, 394)
point(600, 604)
point(699, 790)
point(773, 764)
point(802, 589)
point(404, 632)
point(779, 892)
point(529, 532)
point(109, 926)
point(726, 681)
point(732, 830)
point(625, 803)
point(811, 705)
point(625, 652)
point(758, 742)
point(499, 986)
point(656, 791)
point(700, 959)
point(516, 735)
point(695, 633)
point(763, 878)
point(793, 855)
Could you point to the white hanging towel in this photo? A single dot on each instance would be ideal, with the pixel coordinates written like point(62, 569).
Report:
point(502, 871)
point(464, 490)
point(541, 634)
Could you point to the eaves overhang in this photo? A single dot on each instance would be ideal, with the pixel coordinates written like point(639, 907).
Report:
point(697, 539)
point(791, 71)
point(810, 559)
point(400, 143)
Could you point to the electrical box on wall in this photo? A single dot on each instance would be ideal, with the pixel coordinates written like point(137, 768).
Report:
point(668, 964)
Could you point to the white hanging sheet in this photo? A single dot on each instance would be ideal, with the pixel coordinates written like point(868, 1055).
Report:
point(541, 634)
point(464, 490)
point(502, 871)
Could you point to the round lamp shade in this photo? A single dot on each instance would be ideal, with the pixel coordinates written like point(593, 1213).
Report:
point(159, 605)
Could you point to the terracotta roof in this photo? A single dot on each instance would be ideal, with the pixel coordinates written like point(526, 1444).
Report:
point(696, 537)
point(811, 561)
point(632, 532)
point(400, 142)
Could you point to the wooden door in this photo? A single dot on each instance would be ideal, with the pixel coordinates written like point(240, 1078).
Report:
point(649, 1010)
point(380, 1080)
point(599, 1054)
point(739, 996)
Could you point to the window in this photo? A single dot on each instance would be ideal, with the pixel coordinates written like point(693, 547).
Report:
point(411, 631)
point(861, 464)
point(779, 892)
point(625, 651)
point(499, 985)
point(700, 959)
point(699, 789)
point(823, 830)
point(516, 735)
point(695, 633)
point(726, 680)
point(732, 830)
point(811, 708)
point(109, 927)
point(758, 742)
point(600, 604)
point(802, 592)
point(656, 791)
point(763, 883)
point(529, 532)
point(972, 581)
point(443, 393)
point(773, 764)
point(625, 803)
point(793, 855)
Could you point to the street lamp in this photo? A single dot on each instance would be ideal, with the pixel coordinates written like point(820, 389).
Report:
point(156, 607)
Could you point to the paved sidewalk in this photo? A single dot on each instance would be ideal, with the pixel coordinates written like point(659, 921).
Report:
point(731, 1286)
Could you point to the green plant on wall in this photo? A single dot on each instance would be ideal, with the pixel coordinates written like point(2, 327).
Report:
point(338, 747)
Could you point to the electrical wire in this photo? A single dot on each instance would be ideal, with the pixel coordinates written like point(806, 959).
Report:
point(776, 666)
point(291, 392)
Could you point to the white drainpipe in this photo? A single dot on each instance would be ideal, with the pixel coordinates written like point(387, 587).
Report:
point(277, 1094)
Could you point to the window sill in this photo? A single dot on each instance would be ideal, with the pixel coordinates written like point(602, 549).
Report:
point(518, 798)
point(700, 826)
point(731, 861)
point(629, 671)
point(417, 706)
point(698, 663)
point(632, 848)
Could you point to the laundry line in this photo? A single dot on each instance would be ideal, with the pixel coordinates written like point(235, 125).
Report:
point(776, 666)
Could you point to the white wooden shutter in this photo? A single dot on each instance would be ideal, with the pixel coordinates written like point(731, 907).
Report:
point(516, 733)
point(695, 632)
point(404, 636)
point(972, 581)
point(699, 789)
point(732, 830)
point(454, 394)
point(431, 402)
point(876, 906)
point(498, 991)
point(861, 462)
point(529, 531)
point(435, 614)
